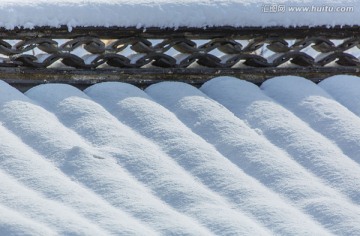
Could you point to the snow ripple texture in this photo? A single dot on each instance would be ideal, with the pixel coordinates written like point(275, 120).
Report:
point(230, 158)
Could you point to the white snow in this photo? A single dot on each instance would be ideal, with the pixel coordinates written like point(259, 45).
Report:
point(170, 13)
point(94, 169)
point(229, 158)
point(345, 89)
point(144, 161)
point(133, 107)
point(14, 223)
point(316, 107)
point(285, 130)
point(257, 156)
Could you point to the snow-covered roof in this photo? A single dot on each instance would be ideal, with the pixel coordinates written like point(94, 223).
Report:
point(229, 158)
point(170, 13)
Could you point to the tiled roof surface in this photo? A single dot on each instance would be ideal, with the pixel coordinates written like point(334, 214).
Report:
point(229, 158)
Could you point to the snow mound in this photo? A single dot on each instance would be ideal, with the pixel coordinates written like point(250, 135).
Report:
point(230, 158)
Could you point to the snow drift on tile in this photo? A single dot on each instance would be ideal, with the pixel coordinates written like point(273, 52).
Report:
point(145, 161)
point(223, 159)
point(133, 107)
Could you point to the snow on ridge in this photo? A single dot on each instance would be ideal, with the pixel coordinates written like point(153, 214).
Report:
point(316, 107)
point(147, 163)
point(136, 109)
point(288, 132)
point(169, 13)
point(42, 176)
point(62, 219)
point(14, 223)
point(345, 89)
point(99, 172)
point(258, 157)
point(227, 158)
point(47, 180)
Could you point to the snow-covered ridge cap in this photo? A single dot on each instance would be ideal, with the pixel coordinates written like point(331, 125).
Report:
point(174, 14)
